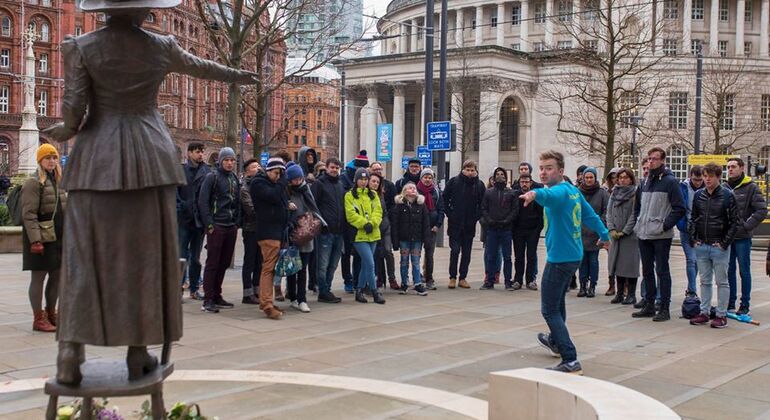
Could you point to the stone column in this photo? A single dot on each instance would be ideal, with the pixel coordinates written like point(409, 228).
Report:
point(576, 9)
point(401, 38)
point(29, 135)
point(369, 117)
point(686, 26)
point(399, 118)
point(548, 24)
point(500, 24)
point(455, 158)
point(658, 35)
point(460, 25)
point(740, 21)
point(764, 18)
point(479, 23)
point(714, 28)
point(524, 30)
point(489, 133)
point(413, 36)
point(352, 135)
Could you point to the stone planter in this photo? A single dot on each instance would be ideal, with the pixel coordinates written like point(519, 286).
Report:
point(10, 239)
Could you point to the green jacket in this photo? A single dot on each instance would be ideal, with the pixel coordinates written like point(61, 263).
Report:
point(362, 210)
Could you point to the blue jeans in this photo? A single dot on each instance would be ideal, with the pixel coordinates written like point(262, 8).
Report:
point(366, 276)
point(498, 242)
point(712, 262)
point(190, 244)
point(740, 250)
point(410, 251)
point(589, 268)
point(655, 254)
point(692, 265)
point(555, 284)
point(329, 254)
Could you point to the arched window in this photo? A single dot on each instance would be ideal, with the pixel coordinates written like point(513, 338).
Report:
point(509, 125)
point(7, 26)
point(150, 18)
point(676, 158)
point(45, 32)
point(5, 155)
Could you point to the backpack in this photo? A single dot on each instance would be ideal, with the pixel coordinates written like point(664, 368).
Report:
point(691, 307)
point(13, 201)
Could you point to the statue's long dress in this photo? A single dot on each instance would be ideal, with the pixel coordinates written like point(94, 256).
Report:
point(120, 283)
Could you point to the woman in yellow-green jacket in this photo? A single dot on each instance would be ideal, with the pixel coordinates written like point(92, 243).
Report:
point(364, 212)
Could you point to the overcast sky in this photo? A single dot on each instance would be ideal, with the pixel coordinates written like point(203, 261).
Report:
point(376, 8)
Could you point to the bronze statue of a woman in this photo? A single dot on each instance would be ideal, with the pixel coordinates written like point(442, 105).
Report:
point(120, 274)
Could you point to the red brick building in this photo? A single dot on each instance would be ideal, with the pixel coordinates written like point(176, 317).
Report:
point(193, 109)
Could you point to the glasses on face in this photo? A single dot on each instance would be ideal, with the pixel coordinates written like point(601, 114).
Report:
point(624, 177)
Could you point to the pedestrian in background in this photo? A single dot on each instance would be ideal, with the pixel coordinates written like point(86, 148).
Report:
point(190, 227)
point(462, 205)
point(499, 209)
point(364, 213)
point(302, 202)
point(410, 225)
point(689, 187)
point(434, 203)
point(252, 255)
point(623, 259)
point(526, 235)
point(388, 195)
point(597, 198)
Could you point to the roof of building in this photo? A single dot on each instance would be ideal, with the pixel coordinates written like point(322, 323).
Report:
point(300, 67)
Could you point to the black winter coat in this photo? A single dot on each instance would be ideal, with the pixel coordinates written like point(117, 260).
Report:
point(409, 221)
point(271, 204)
point(329, 194)
point(187, 196)
point(751, 206)
point(712, 220)
point(389, 193)
point(499, 208)
point(219, 199)
point(530, 218)
point(407, 178)
point(462, 204)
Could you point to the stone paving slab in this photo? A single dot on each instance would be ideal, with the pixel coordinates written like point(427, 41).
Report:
point(449, 340)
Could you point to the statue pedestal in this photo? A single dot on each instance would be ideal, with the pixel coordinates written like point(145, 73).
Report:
point(109, 378)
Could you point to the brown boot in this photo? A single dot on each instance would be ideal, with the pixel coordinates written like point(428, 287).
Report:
point(273, 313)
point(278, 294)
point(464, 284)
point(53, 317)
point(41, 322)
point(452, 283)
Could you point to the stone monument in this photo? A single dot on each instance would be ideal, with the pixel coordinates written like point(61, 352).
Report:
point(29, 136)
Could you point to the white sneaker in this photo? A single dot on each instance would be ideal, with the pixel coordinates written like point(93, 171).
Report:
point(303, 307)
point(295, 305)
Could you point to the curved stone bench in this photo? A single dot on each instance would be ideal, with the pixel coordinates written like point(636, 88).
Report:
point(10, 239)
point(533, 393)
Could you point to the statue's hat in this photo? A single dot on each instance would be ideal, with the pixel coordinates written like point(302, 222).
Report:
point(104, 5)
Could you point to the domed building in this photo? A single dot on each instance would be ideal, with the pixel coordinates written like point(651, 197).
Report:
point(530, 75)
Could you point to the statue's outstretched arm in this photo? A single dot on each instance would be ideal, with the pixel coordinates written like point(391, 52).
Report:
point(186, 63)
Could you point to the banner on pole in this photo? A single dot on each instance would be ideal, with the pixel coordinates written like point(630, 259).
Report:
point(384, 142)
point(425, 156)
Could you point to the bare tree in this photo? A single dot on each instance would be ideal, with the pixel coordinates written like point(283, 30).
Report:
point(247, 28)
point(612, 73)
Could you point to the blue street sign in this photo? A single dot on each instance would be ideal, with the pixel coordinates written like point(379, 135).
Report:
point(405, 162)
point(439, 135)
point(425, 156)
point(263, 158)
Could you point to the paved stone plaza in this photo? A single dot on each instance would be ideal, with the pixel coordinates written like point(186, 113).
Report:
point(449, 340)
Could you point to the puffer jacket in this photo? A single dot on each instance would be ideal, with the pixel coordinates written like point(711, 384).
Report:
point(499, 208)
point(248, 216)
point(660, 206)
point(187, 195)
point(38, 203)
point(329, 194)
point(271, 204)
point(714, 220)
point(363, 206)
point(751, 206)
point(219, 201)
point(410, 221)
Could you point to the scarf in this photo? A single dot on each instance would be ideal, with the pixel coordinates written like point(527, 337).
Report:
point(589, 190)
point(427, 192)
point(734, 182)
point(621, 194)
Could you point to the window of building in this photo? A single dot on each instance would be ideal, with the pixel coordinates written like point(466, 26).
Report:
point(669, 47)
point(45, 32)
point(190, 87)
point(538, 46)
point(565, 10)
point(43, 63)
point(78, 30)
point(5, 58)
point(677, 110)
point(696, 46)
point(564, 45)
point(296, 139)
point(5, 154)
point(763, 157)
point(190, 117)
point(748, 12)
point(727, 122)
point(764, 113)
point(42, 103)
point(516, 47)
point(627, 109)
point(540, 12)
point(46, 3)
point(591, 10)
point(319, 125)
point(722, 48)
point(509, 125)
point(493, 22)
point(516, 14)
point(150, 18)
point(676, 158)
point(5, 97)
point(473, 24)
point(592, 45)
point(697, 10)
point(670, 9)
point(304, 124)
point(747, 48)
point(7, 26)
point(296, 123)
point(304, 140)
point(724, 10)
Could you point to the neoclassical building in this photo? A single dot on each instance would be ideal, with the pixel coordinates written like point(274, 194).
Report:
point(501, 55)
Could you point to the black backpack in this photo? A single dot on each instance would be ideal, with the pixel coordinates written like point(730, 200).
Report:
point(691, 306)
point(13, 201)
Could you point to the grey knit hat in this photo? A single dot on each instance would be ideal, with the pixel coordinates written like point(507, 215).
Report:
point(361, 173)
point(226, 153)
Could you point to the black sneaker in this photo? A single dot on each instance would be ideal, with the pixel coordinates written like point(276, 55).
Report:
point(404, 288)
point(743, 310)
point(591, 292)
point(516, 285)
point(209, 307)
point(648, 311)
point(221, 303)
point(572, 367)
point(430, 285)
point(328, 297)
point(420, 290)
point(545, 340)
point(250, 300)
point(509, 287)
point(487, 286)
